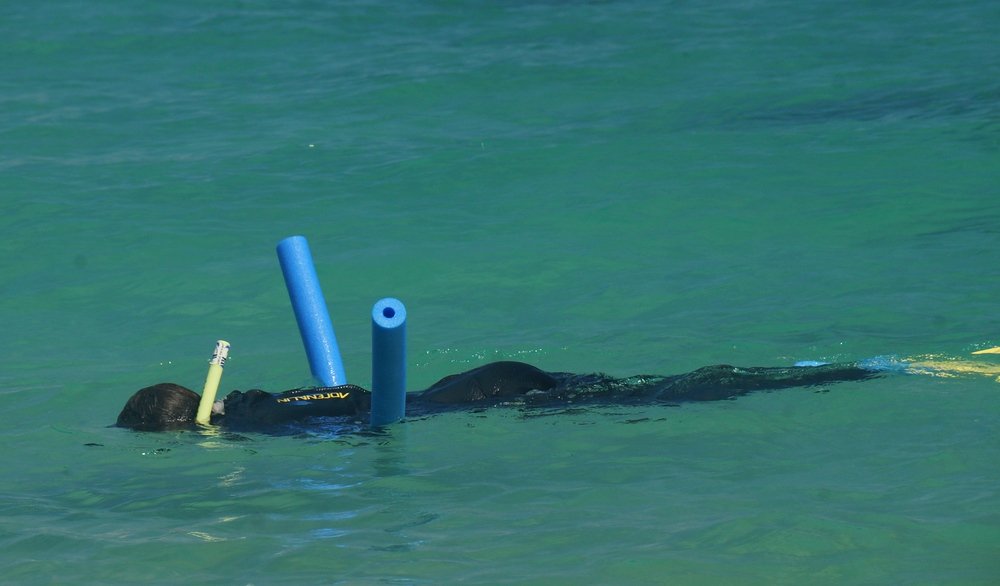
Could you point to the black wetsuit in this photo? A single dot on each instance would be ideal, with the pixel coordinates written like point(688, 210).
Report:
point(255, 408)
point(517, 383)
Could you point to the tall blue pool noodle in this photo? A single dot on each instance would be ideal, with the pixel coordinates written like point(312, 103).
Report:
point(310, 311)
point(388, 362)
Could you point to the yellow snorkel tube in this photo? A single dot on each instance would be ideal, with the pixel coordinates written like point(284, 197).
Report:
point(212, 382)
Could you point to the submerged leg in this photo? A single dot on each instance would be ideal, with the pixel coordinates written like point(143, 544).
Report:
point(713, 383)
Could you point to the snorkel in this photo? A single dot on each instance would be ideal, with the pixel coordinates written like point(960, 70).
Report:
point(212, 380)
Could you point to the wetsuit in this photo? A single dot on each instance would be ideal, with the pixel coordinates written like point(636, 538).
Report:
point(517, 383)
point(256, 408)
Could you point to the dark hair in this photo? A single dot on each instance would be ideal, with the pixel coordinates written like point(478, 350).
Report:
point(160, 407)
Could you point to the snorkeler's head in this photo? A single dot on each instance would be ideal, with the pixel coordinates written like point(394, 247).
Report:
point(160, 407)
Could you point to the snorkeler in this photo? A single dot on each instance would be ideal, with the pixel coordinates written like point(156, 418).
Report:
point(169, 406)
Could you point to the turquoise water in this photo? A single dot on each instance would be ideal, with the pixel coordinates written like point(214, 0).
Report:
point(609, 186)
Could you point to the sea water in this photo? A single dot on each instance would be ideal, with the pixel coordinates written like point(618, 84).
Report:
point(623, 186)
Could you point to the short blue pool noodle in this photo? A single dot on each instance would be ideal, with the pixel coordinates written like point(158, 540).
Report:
point(388, 362)
point(310, 311)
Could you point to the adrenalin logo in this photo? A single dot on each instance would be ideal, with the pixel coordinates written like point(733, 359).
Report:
point(313, 397)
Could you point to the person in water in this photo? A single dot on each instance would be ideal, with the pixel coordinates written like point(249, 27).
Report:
point(167, 406)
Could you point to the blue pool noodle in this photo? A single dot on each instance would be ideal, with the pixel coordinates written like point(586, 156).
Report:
point(310, 311)
point(388, 362)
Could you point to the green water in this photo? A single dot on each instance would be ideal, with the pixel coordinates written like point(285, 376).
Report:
point(623, 186)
